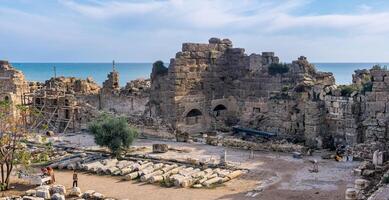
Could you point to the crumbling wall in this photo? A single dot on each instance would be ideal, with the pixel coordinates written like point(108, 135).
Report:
point(12, 85)
point(202, 74)
point(74, 85)
point(342, 119)
point(130, 100)
point(375, 114)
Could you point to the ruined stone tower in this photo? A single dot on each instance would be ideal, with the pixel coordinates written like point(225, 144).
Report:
point(13, 85)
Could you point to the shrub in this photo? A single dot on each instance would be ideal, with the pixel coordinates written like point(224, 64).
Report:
point(278, 68)
point(367, 87)
point(386, 179)
point(379, 67)
point(159, 68)
point(346, 90)
point(113, 132)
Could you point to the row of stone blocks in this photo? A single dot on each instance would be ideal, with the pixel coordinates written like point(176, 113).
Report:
point(153, 172)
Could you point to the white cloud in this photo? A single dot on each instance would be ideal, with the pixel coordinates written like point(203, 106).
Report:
point(112, 9)
point(262, 15)
point(97, 30)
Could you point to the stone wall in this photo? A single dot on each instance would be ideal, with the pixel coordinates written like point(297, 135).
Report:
point(12, 85)
point(211, 86)
point(202, 74)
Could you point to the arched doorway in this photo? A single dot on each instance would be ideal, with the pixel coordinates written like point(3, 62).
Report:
point(219, 110)
point(6, 98)
point(194, 116)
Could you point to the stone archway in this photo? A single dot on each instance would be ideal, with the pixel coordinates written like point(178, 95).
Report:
point(194, 116)
point(219, 110)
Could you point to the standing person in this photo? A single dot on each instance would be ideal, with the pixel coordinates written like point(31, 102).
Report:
point(51, 174)
point(75, 179)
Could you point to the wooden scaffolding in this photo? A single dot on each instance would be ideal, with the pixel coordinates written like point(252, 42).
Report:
point(54, 109)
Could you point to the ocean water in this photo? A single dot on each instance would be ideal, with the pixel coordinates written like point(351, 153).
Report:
point(98, 71)
point(130, 71)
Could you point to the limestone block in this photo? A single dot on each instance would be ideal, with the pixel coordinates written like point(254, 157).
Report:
point(160, 148)
point(378, 158)
point(88, 194)
point(351, 194)
point(32, 198)
point(43, 193)
point(97, 196)
point(361, 184)
point(31, 192)
point(58, 196)
point(58, 189)
point(75, 192)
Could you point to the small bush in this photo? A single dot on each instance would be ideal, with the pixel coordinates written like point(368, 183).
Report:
point(379, 67)
point(113, 132)
point(159, 68)
point(386, 179)
point(278, 68)
point(346, 90)
point(367, 87)
point(285, 88)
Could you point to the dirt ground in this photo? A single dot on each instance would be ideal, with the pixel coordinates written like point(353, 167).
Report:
point(271, 176)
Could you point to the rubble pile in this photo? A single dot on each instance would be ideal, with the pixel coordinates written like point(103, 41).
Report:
point(277, 146)
point(72, 84)
point(371, 182)
point(167, 174)
point(137, 87)
point(57, 192)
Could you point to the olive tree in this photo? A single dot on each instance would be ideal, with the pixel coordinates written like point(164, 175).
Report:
point(113, 132)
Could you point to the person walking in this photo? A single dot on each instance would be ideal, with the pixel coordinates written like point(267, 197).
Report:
point(75, 179)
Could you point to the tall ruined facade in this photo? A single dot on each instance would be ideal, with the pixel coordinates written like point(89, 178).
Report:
point(13, 85)
point(209, 84)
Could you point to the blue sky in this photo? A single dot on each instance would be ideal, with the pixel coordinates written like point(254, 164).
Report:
point(144, 31)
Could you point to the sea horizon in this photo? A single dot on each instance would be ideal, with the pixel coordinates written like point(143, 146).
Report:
point(42, 71)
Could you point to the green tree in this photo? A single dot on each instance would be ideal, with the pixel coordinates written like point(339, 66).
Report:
point(113, 132)
point(13, 130)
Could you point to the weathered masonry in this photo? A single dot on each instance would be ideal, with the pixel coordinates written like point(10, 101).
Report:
point(209, 85)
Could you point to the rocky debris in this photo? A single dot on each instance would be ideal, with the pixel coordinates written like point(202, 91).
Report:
point(380, 194)
point(74, 85)
point(277, 146)
point(138, 87)
point(160, 148)
point(372, 178)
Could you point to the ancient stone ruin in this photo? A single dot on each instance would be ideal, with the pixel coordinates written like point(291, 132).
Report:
point(12, 85)
point(212, 87)
point(210, 84)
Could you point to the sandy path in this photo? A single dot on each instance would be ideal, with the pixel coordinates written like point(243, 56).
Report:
point(113, 187)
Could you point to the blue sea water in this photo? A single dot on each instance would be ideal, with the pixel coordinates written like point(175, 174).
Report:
point(98, 71)
point(130, 71)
